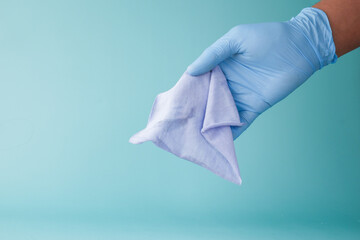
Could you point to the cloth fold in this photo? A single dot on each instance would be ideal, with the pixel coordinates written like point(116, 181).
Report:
point(192, 120)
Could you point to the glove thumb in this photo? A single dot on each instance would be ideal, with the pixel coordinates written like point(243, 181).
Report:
point(212, 56)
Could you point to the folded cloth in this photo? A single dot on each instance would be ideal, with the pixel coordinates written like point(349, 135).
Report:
point(192, 120)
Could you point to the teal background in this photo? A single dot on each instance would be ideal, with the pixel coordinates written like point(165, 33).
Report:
point(78, 78)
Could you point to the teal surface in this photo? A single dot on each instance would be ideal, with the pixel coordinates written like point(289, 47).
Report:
point(78, 78)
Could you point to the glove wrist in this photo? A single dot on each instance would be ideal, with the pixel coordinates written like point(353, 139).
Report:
point(315, 26)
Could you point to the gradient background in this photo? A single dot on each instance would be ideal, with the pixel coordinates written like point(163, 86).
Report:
point(78, 78)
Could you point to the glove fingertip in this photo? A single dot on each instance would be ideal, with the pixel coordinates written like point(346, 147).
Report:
point(194, 71)
point(203, 64)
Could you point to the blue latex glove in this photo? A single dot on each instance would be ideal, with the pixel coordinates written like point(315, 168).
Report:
point(263, 63)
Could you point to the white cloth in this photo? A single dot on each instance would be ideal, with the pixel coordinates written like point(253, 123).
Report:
point(192, 120)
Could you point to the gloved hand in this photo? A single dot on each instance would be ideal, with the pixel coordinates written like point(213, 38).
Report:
point(265, 62)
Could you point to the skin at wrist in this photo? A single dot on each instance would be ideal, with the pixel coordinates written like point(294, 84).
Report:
point(344, 18)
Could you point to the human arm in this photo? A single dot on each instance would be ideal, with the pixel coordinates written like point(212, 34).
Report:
point(344, 18)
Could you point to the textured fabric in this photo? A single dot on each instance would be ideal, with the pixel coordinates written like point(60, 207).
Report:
point(192, 120)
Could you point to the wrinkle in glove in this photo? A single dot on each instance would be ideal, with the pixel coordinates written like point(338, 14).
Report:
point(192, 120)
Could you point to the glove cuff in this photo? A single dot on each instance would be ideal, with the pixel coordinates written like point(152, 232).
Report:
point(315, 25)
